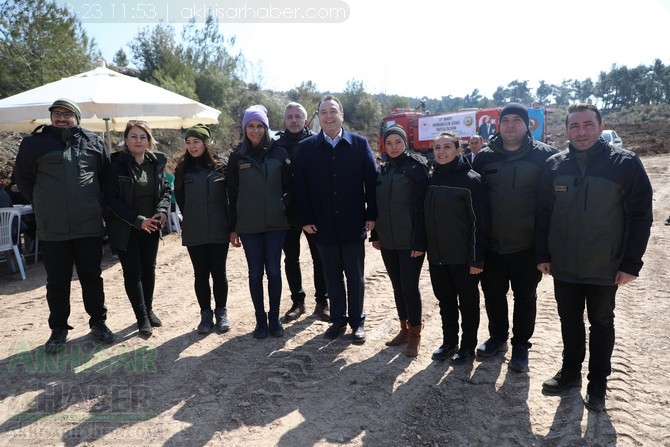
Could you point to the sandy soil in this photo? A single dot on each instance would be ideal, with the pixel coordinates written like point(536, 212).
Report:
point(178, 388)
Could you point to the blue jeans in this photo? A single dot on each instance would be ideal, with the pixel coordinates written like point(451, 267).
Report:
point(263, 253)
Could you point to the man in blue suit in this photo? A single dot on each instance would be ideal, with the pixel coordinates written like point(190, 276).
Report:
point(335, 199)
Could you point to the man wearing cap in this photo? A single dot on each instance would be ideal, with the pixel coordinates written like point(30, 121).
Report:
point(295, 120)
point(60, 169)
point(335, 179)
point(510, 166)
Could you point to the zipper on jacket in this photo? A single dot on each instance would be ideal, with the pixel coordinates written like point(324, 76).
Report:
point(390, 197)
point(586, 196)
point(435, 230)
point(473, 229)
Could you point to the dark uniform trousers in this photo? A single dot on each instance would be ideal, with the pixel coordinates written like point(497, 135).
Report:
point(58, 258)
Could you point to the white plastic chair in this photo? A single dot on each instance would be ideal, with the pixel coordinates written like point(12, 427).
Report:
point(7, 243)
point(28, 210)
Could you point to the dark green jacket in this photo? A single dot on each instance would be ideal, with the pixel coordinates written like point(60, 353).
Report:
point(258, 190)
point(401, 186)
point(456, 215)
point(203, 201)
point(61, 172)
point(594, 218)
point(119, 186)
point(511, 183)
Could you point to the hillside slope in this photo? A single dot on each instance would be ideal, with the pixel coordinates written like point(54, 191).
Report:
point(644, 131)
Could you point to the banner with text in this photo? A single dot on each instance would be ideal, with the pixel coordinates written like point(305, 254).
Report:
point(461, 124)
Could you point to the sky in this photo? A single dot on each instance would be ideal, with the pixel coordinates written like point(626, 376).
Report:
point(414, 48)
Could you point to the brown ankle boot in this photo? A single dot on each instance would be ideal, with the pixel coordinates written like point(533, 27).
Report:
point(401, 338)
point(413, 340)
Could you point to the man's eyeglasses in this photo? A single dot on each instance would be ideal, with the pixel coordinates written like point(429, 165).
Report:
point(66, 115)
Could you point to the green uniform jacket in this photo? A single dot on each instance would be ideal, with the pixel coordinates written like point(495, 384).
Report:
point(511, 183)
point(456, 215)
point(203, 201)
point(119, 186)
point(594, 218)
point(258, 190)
point(401, 187)
point(61, 172)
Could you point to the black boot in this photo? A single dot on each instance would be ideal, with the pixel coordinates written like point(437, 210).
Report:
point(276, 329)
point(222, 322)
point(144, 326)
point(140, 310)
point(206, 321)
point(261, 330)
point(153, 319)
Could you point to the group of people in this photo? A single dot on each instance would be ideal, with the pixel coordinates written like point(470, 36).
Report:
point(81, 193)
point(501, 217)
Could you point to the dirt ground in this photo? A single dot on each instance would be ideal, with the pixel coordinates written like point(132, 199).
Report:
point(178, 388)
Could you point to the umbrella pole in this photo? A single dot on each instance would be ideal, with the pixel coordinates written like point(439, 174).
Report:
point(107, 135)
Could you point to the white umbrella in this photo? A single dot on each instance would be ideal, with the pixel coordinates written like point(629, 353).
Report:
point(108, 100)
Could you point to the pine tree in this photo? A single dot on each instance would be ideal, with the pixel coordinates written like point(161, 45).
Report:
point(40, 42)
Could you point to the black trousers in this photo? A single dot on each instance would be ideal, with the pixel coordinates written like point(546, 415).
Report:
point(210, 260)
point(58, 258)
point(139, 267)
point(455, 288)
point(600, 301)
point(404, 272)
point(338, 261)
point(520, 271)
point(292, 268)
